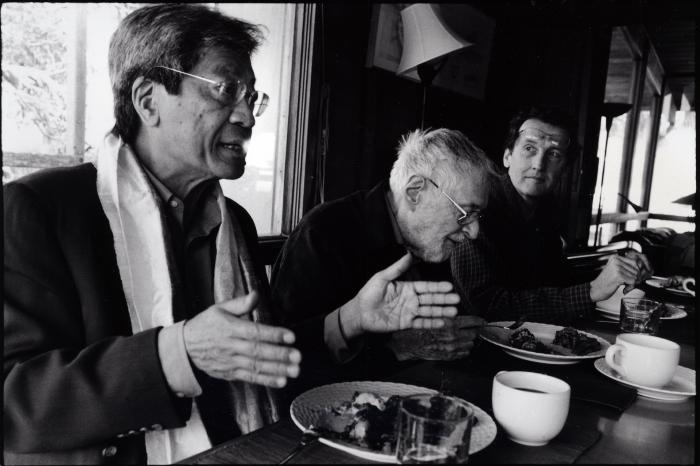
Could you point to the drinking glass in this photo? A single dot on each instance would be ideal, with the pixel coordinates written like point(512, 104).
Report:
point(640, 315)
point(434, 429)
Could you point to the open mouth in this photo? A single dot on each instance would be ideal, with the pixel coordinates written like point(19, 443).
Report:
point(234, 147)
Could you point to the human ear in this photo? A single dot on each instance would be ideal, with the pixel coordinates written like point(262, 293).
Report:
point(413, 189)
point(506, 157)
point(144, 101)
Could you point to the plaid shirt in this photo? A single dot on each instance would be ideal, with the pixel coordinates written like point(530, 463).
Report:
point(517, 265)
point(474, 269)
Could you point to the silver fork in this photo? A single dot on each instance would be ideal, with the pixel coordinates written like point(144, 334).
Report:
point(307, 438)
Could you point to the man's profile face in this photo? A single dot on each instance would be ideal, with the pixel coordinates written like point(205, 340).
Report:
point(202, 137)
point(538, 158)
point(431, 231)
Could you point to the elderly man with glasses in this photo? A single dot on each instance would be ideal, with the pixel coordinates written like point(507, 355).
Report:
point(352, 266)
point(517, 265)
point(137, 319)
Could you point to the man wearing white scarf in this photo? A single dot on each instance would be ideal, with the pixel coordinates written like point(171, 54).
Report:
point(137, 325)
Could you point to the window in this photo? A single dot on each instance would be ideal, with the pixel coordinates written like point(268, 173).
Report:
point(641, 148)
point(650, 160)
point(57, 100)
point(674, 167)
point(618, 90)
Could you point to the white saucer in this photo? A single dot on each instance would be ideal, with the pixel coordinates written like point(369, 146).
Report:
point(680, 388)
point(658, 282)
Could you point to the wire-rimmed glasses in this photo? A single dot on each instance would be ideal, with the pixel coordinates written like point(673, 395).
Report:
point(466, 217)
point(232, 92)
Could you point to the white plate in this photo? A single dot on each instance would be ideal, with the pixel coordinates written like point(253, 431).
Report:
point(545, 334)
point(609, 314)
point(675, 312)
point(680, 388)
point(657, 282)
point(307, 408)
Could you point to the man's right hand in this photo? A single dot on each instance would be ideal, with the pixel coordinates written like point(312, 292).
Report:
point(226, 346)
point(631, 269)
point(386, 305)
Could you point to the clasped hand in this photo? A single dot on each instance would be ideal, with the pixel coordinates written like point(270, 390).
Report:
point(223, 344)
point(631, 269)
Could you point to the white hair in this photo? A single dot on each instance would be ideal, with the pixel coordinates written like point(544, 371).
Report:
point(445, 154)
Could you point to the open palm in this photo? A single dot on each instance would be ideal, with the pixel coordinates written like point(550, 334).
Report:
point(389, 305)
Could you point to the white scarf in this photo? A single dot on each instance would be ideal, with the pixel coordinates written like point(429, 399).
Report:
point(137, 223)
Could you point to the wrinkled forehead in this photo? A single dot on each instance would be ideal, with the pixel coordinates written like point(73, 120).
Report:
point(538, 132)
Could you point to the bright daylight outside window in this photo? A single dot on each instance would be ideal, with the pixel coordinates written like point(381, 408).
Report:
point(674, 167)
point(57, 100)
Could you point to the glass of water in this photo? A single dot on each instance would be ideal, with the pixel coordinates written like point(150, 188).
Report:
point(640, 315)
point(434, 429)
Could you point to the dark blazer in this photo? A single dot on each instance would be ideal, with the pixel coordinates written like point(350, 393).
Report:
point(79, 387)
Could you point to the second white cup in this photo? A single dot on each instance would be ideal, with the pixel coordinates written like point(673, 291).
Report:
point(531, 407)
point(644, 359)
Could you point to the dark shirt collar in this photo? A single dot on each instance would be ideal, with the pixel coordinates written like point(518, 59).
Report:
point(163, 192)
point(541, 212)
point(199, 210)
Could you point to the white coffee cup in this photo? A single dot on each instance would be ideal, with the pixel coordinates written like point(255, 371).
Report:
point(531, 407)
point(689, 285)
point(643, 359)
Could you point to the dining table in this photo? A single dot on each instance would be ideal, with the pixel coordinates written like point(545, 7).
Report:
point(607, 423)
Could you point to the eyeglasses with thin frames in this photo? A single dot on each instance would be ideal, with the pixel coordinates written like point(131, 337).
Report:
point(466, 217)
point(232, 92)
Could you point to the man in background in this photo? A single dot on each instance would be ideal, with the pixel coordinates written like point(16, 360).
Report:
point(517, 266)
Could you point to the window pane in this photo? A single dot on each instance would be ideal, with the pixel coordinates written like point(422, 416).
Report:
point(674, 168)
point(103, 19)
point(34, 76)
point(641, 148)
point(259, 190)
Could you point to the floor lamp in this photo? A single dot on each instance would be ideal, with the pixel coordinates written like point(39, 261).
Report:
point(426, 43)
point(610, 111)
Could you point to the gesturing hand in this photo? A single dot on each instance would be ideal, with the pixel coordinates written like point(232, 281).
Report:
point(226, 346)
point(385, 305)
point(629, 270)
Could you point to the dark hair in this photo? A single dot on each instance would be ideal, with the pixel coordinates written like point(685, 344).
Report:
point(550, 115)
point(173, 35)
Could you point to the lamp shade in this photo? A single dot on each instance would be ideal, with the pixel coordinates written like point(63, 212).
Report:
point(425, 37)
